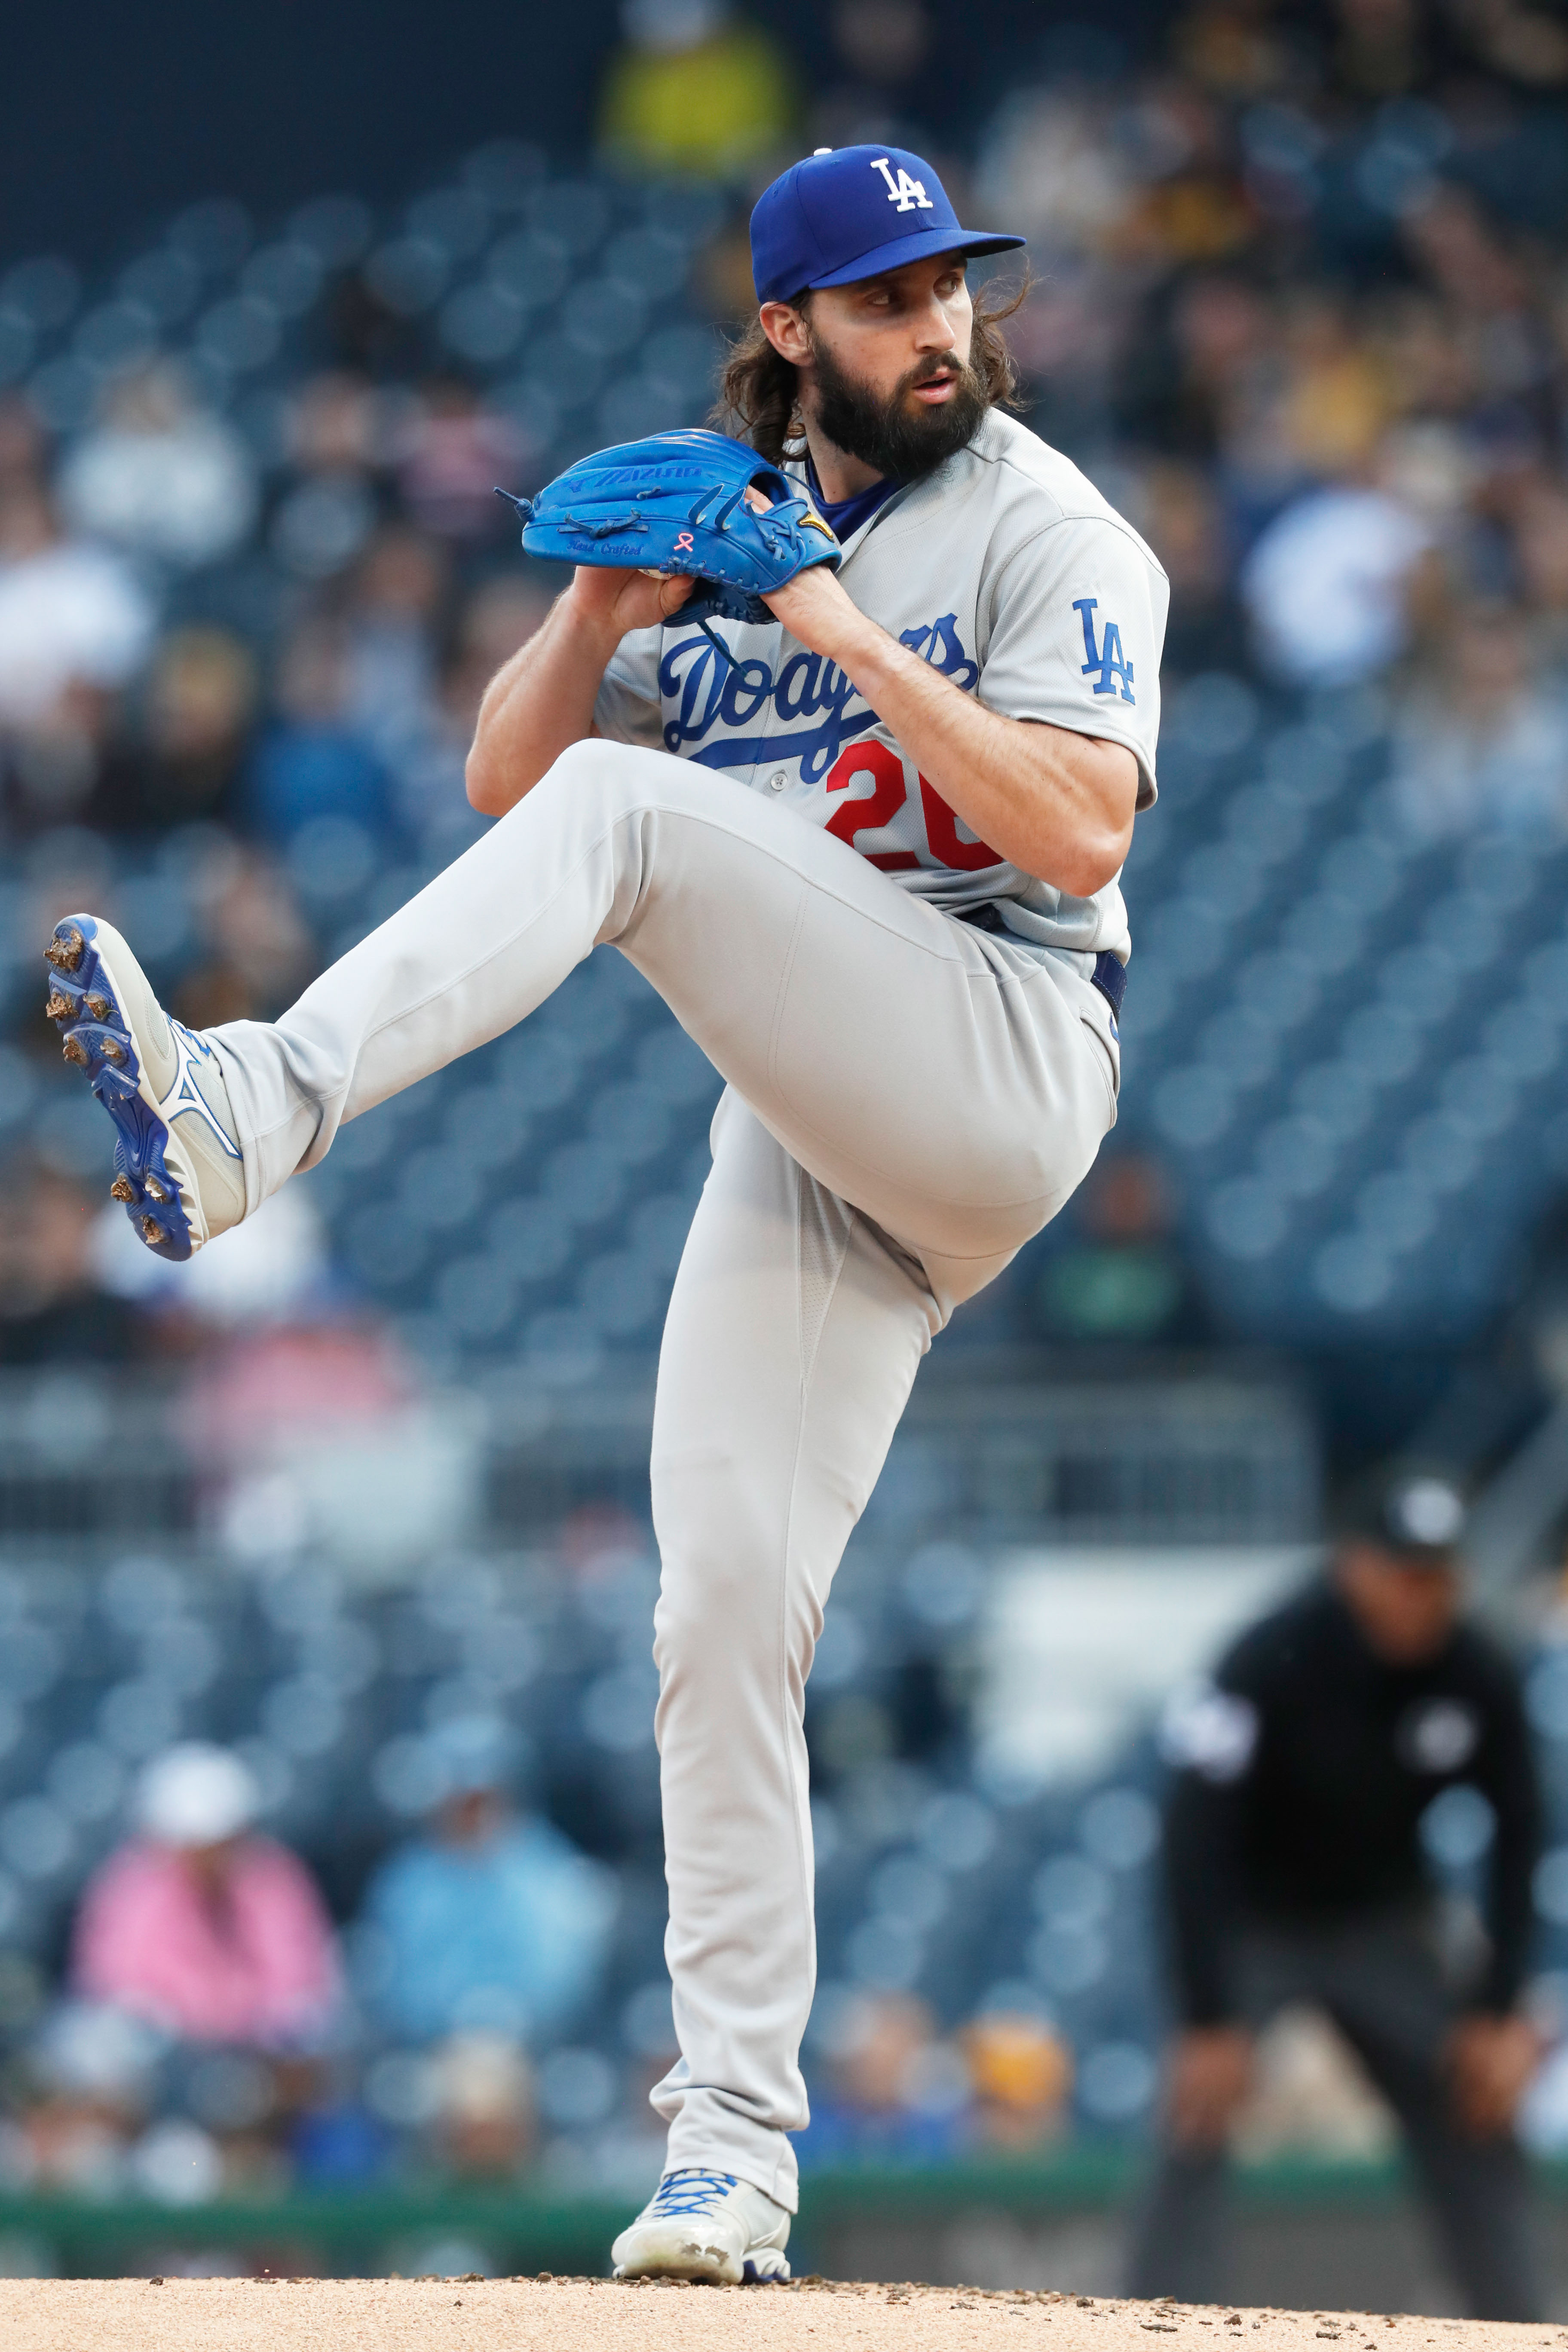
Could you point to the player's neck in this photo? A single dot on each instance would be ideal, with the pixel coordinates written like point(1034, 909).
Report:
point(840, 476)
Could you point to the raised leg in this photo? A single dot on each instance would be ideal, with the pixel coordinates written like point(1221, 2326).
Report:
point(953, 1087)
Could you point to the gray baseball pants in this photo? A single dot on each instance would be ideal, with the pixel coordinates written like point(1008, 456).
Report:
point(909, 1100)
point(1380, 1980)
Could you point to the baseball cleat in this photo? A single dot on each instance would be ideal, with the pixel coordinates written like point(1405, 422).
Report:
point(178, 1170)
point(706, 2226)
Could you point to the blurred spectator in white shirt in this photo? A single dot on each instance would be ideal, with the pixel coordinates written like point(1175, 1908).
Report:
point(276, 1274)
point(69, 613)
point(1481, 747)
point(1324, 586)
point(160, 475)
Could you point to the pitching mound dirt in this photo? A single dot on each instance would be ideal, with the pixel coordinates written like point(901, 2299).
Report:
point(597, 2315)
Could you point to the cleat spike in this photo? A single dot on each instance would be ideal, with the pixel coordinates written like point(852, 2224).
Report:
point(113, 1051)
point(58, 1008)
point(155, 1191)
point(99, 1006)
point(64, 950)
point(149, 1229)
point(122, 1189)
point(74, 1050)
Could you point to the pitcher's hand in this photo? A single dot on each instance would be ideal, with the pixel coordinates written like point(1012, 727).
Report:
point(611, 602)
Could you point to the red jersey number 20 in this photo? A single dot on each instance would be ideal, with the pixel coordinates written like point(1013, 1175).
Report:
point(890, 791)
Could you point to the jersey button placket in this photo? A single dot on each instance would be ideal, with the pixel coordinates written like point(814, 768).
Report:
point(777, 780)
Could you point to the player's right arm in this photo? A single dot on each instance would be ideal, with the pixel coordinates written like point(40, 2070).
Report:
point(541, 702)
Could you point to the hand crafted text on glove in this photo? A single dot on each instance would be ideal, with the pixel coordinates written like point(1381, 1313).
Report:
point(677, 503)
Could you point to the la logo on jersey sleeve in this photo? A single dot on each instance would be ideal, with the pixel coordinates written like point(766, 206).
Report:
point(1106, 661)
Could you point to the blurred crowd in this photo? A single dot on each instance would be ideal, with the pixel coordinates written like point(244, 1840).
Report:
point(375, 595)
point(1300, 306)
point(237, 681)
point(213, 2034)
point(1302, 289)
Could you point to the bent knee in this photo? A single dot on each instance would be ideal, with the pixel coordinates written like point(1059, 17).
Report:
point(622, 773)
point(581, 764)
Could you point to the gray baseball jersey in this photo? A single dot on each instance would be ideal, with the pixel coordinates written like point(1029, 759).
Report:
point(1010, 574)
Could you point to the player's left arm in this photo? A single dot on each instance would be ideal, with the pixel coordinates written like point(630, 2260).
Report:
point(1056, 803)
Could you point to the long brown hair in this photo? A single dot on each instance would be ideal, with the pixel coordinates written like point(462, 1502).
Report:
point(757, 400)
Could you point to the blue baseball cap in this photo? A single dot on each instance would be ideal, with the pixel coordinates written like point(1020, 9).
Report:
point(847, 213)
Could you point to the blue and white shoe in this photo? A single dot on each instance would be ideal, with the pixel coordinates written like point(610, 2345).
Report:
point(707, 2226)
point(178, 1161)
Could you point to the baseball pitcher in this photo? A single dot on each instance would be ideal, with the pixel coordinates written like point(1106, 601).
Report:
point(859, 821)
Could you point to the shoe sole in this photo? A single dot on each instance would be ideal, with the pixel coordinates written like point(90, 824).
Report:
point(757, 2269)
point(710, 2275)
point(98, 1039)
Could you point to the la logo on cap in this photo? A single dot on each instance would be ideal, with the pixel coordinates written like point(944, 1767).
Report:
point(905, 195)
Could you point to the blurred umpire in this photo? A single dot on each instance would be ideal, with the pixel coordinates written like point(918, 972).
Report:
point(1294, 1874)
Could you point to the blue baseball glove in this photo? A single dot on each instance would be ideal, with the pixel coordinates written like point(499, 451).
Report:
point(677, 503)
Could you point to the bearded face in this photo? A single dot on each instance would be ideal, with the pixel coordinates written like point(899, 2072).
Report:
point(901, 438)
